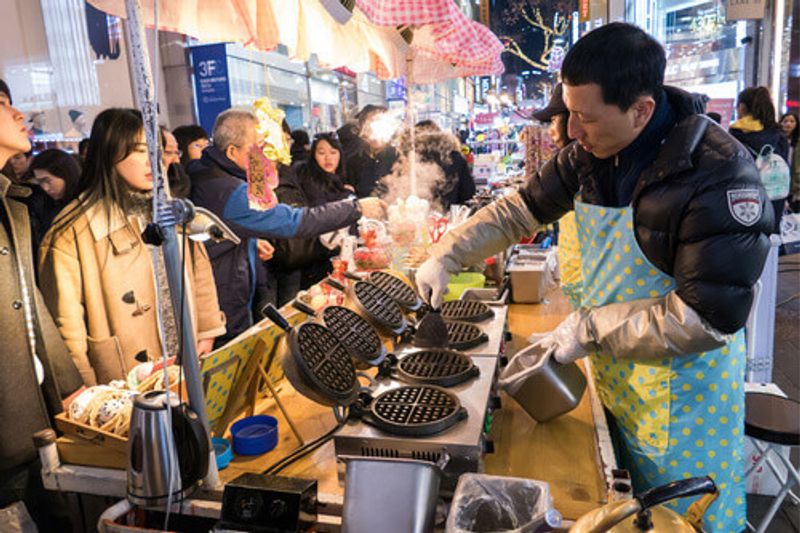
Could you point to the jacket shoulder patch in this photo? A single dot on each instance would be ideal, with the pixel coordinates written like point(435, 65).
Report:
point(744, 206)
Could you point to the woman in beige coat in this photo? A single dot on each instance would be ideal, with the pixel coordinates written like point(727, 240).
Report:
point(97, 275)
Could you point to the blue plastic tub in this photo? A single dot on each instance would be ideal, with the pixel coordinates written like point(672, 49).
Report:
point(222, 451)
point(255, 435)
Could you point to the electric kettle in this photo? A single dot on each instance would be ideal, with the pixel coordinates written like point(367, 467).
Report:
point(168, 450)
point(644, 512)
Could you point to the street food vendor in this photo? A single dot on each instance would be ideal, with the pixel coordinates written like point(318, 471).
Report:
point(673, 227)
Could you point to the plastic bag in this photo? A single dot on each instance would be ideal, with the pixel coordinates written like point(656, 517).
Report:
point(483, 503)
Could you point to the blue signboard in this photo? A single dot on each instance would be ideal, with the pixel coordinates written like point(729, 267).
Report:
point(211, 83)
point(396, 89)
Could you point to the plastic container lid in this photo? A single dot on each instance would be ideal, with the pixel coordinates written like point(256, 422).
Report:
point(223, 452)
point(255, 435)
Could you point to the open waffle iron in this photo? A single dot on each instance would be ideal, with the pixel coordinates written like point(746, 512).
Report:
point(354, 332)
point(400, 291)
point(374, 304)
point(321, 368)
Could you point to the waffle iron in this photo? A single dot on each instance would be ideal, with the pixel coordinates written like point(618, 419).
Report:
point(375, 305)
point(464, 336)
point(413, 410)
point(431, 366)
point(466, 310)
point(353, 331)
point(400, 291)
point(321, 368)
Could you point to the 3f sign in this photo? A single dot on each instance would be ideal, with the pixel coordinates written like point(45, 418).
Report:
point(207, 68)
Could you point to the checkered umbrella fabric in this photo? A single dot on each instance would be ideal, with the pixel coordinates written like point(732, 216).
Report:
point(407, 12)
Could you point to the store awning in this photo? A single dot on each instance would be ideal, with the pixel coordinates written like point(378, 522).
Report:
point(446, 44)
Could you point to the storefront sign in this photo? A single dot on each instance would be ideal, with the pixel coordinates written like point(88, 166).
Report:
point(723, 106)
point(485, 118)
point(713, 67)
point(584, 12)
point(211, 83)
point(745, 9)
point(396, 89)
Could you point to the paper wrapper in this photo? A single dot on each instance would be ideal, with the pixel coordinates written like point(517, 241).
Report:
point(262, 178)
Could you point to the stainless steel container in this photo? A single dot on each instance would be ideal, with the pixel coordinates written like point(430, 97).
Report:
point(390, 495)
point(153, 455)
point(543, 387)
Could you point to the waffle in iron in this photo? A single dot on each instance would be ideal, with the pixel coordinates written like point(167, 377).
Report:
point(466, 310)
point(415, 410)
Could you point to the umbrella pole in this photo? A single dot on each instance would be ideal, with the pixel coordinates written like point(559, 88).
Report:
point(411, 121)
point(165, 215)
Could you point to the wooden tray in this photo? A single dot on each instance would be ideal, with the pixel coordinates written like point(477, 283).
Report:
point(78, 451)
point(92, 435)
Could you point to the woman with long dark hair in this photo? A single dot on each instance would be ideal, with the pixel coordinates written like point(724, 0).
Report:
point(756, 128)
point(56, 173)
point(755, 125)
point(99, 277)
point(322, 177)
point(299, 263)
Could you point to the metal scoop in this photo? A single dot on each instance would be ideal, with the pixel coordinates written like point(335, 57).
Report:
point(431, 330)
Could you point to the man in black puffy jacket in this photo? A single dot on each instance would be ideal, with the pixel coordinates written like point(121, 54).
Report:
point(673, 225)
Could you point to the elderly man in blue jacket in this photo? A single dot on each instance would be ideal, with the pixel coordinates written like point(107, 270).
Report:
point(219, 184)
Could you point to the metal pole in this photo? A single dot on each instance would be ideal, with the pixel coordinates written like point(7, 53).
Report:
point(146, 102)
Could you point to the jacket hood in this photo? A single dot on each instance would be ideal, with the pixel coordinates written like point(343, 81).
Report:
point(685, 103)
point(756, 140)
point(748, 124)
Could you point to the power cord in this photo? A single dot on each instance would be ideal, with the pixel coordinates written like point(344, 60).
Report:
point(304, 450)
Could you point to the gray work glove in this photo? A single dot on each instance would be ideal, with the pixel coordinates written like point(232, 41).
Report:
point(563, 340)
point(492, 229)
point(432, 279)
point(650, 328)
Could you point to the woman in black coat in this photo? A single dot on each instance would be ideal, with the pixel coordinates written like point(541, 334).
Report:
point(300, 263)
point(756, 128)
point(53, 175)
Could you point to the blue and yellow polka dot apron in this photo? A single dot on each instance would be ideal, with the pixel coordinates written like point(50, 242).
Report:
point(569, 260)
point(678, 417)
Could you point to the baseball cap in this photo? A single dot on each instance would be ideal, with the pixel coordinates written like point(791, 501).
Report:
point(554, 107)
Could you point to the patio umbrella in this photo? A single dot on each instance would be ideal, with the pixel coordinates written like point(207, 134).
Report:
point(446, 44)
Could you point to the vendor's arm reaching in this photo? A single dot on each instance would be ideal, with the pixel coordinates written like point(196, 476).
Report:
point(715, 262)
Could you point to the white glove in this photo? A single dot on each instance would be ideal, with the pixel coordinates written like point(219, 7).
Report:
point(432, 279)
point(565, 340)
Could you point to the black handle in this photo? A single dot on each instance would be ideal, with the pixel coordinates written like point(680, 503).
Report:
point(303, 308)
point(194, 453)
point(503, 286)
point(677, 489)
point(334, 283)
point(276, 317)
point(353, 276)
